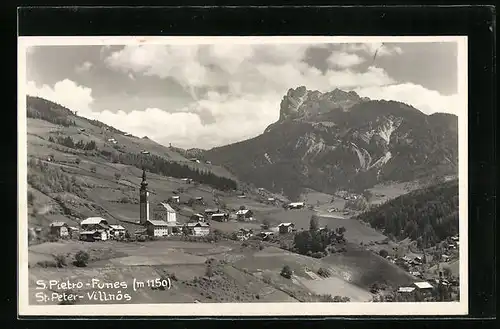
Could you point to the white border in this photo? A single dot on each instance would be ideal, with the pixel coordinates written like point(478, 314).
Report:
point(240, 309)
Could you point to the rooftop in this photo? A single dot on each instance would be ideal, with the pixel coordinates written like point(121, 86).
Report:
point(93, 220)
point(423, 285)
point(167, 207)
point(197, 225)
point(87, 232)
point(158, 222)
point(406, 289)
point(58, 224)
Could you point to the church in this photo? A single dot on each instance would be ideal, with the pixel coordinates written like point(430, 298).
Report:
point(164, 219)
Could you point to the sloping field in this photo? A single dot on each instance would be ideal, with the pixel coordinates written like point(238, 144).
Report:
point(335, 286)
point(363, 268)
point(385, 192)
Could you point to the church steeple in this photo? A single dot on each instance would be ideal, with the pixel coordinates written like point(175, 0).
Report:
point(144, 183)
point(143, 200)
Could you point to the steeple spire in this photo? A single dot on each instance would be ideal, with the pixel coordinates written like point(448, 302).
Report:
point(144, 183)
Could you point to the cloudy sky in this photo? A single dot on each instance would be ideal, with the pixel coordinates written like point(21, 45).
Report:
point(211, 95)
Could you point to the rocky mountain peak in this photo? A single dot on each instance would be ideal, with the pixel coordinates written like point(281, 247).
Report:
point(303, 103)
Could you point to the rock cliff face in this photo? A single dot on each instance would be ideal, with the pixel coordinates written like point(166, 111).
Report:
point(327, 141)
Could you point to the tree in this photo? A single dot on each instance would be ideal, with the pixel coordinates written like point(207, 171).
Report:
point(266, 223)
point(286, 272)
point(81, 258)
point(313, 223)
point(118, 176)
point(383, 253)
point(367, 194)
point(242, 207)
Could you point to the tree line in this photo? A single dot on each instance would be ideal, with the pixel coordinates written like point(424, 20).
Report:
point(69, 142)
point(159, 165)
point(427, 216)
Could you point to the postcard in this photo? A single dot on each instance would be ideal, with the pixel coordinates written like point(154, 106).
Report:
point(242, 176)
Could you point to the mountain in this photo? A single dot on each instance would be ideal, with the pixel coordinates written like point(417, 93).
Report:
point(339, 140)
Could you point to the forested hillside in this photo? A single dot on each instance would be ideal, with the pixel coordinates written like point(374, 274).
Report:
point(427, 215)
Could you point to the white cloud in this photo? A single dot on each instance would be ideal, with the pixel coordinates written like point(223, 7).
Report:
point(84, 67)
point(427, 101)
point(344, 60)
point(66, 93)
point(235, 118)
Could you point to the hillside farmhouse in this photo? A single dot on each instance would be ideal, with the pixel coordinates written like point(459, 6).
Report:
point(175, 198)
point(94, 223)
point(425, 288)
point(296, 205)
point(220, 217)
point(60, 229)
point(244, 234)
point(244, 215)
point(266, 235)
point(286, 228)
point(198, 229)
point(164, 212)
point(210, 212)
point(94, 235)
point(117, 231)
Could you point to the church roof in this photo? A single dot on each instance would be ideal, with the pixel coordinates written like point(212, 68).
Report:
point(167, 207)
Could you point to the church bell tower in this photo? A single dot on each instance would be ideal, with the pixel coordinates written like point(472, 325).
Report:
point(143, 199)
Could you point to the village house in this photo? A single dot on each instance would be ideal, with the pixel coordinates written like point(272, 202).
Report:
point(284, 228)
point(210, 212)
point(117, 231)
point(60, 229)
point(266, 235)
point(94, 223)
point(198, 229)
point(416, 274)
point(244, 215)
point(164, 212)
point(197, 218)
point(220, 217)
point(175, 198)
point(296, 205)
point(425, 288)
point(94, 235)
point(158, 228)
point(244, 234)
